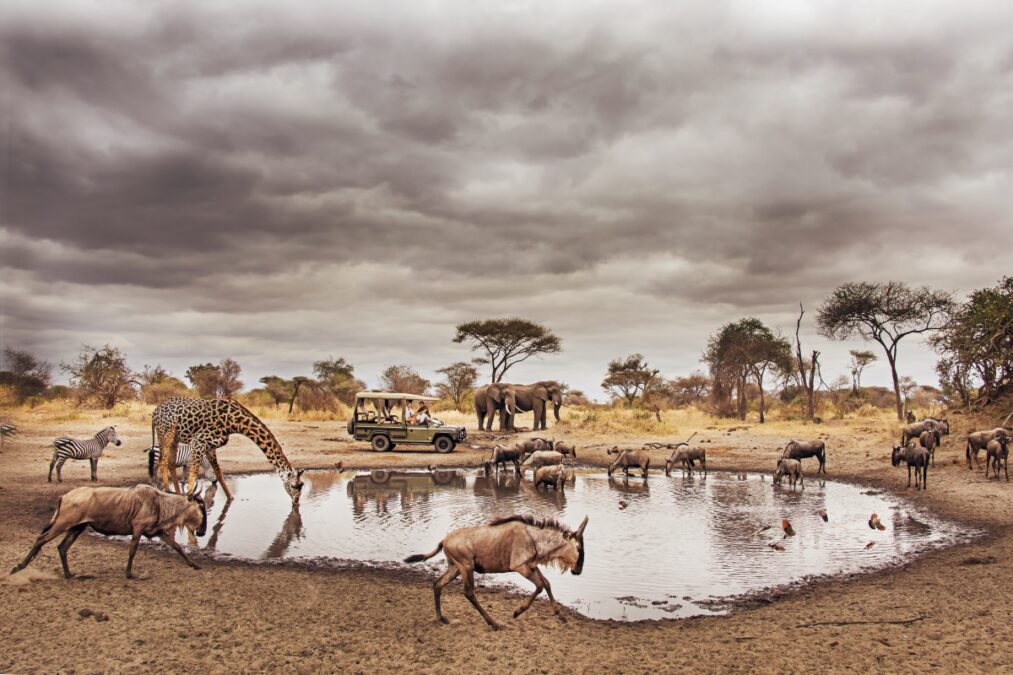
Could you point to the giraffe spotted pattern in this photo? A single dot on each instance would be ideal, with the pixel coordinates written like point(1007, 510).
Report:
point(205, 425)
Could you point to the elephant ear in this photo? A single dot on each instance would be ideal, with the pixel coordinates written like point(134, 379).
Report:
point(496, 394)
point(541, 391)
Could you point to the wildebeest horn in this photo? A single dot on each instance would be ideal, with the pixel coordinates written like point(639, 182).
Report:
point(583, 524)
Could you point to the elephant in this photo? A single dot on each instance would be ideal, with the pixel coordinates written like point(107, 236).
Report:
point(535, 398)
point(498, 396)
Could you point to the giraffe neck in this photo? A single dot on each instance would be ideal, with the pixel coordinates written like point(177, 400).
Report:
point(249, 425)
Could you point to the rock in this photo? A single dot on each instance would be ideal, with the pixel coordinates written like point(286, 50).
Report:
point(85, 613)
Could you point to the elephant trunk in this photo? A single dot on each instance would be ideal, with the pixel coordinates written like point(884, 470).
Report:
point(555, 410)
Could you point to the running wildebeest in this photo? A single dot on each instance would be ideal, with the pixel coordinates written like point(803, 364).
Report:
point(915, 456)
point(978, 440)
point(997, 451)
point(137, 511)
point(792, 468)
point(629, 458)
point(511, 544)
point(802, 449)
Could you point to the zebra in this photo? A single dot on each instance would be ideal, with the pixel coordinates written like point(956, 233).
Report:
point(69, 448)
point(184, 457)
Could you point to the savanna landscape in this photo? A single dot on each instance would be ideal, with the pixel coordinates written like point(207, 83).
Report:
point(515, 337)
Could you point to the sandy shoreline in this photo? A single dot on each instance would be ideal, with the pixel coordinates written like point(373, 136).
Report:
point(236, 616)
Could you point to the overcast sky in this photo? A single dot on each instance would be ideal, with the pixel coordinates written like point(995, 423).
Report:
point(282, 182)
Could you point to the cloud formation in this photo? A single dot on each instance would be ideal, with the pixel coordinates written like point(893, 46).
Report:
point(277, 184)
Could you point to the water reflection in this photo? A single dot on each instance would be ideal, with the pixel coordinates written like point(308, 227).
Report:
point(690, 536)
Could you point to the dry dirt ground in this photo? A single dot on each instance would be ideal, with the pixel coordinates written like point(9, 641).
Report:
point(231, 616)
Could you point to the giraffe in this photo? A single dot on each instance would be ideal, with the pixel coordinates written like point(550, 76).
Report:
point(206, 424)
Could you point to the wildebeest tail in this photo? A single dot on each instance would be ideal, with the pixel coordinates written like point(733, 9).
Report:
point(419, 557)
point(52, 520)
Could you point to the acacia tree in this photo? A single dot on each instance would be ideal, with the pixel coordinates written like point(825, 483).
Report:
point(228, 378)
point(460, 378)
point(25, 373)
point(404, 379)
point(628, 378)
point(507, 342)
point(338, 376)
point(102, 375)
point(742, 350)
point(860, 360)
point(689, 390)
point(977, 344)
point(886, 313)
point(204, 378)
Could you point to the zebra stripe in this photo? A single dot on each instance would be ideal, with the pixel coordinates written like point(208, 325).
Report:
point(184, 458)
point(65, 448)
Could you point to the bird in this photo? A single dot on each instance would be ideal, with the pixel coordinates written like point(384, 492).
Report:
point(623, 503)
point(340, 466)
point(776, 547)
point(870, 544)
point(788, 531)
point(823, 515)
point(874, 523)
point(762, 529)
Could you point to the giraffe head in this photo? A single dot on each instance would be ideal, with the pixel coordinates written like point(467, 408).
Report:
point(293, 486)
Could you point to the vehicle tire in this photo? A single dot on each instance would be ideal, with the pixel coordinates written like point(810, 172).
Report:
point(380, 476)
point(444, 476)
point(381, 443)
point(444, 444)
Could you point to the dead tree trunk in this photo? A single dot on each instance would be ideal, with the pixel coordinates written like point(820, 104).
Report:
point(807, 379)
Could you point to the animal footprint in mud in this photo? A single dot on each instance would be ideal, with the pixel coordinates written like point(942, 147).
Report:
point(776, 547)
point(786, 526)
point(823, 515)
point(874, 523)
point(623, 503)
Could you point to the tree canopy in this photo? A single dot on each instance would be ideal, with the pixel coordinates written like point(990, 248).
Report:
point(628, 378)
point(101, 375)
point(404, 379)
point(26, 374)
point(886, 313)
point(742, 350)
point(459, 379)
point(976, 345)
point(507, 342)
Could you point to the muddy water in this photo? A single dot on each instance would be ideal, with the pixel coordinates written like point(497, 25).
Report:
point(679, 547)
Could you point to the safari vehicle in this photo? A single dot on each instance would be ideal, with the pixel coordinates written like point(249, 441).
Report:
point(379, 418)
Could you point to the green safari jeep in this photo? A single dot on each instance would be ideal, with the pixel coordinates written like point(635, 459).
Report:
point(379, 417)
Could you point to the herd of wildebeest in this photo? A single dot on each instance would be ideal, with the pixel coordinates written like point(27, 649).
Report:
point(517, 543)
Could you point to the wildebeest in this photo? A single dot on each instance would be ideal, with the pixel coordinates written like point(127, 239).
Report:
point(565, 449)
point(802, 449)
point(930, 441)
point(915, 456)
point(997, 451)
point(628, 458)
point(942, 424)
point(541, 458)
point(978, 440)
point(556, 476)
point(511, 544)
point(909, 431)
point(141, 510)
point(501, 455)
point(792, 468)
point(687, 457)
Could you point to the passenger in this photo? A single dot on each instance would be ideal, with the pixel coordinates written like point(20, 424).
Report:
point(423, 417)
point(409, 414)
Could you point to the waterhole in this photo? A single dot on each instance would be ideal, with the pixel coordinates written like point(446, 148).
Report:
point(655, 547)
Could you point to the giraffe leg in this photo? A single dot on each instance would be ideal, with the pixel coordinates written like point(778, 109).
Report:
point(213, 458)
point(167, 462)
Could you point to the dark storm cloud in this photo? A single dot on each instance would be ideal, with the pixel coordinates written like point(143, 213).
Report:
point(260, 173)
